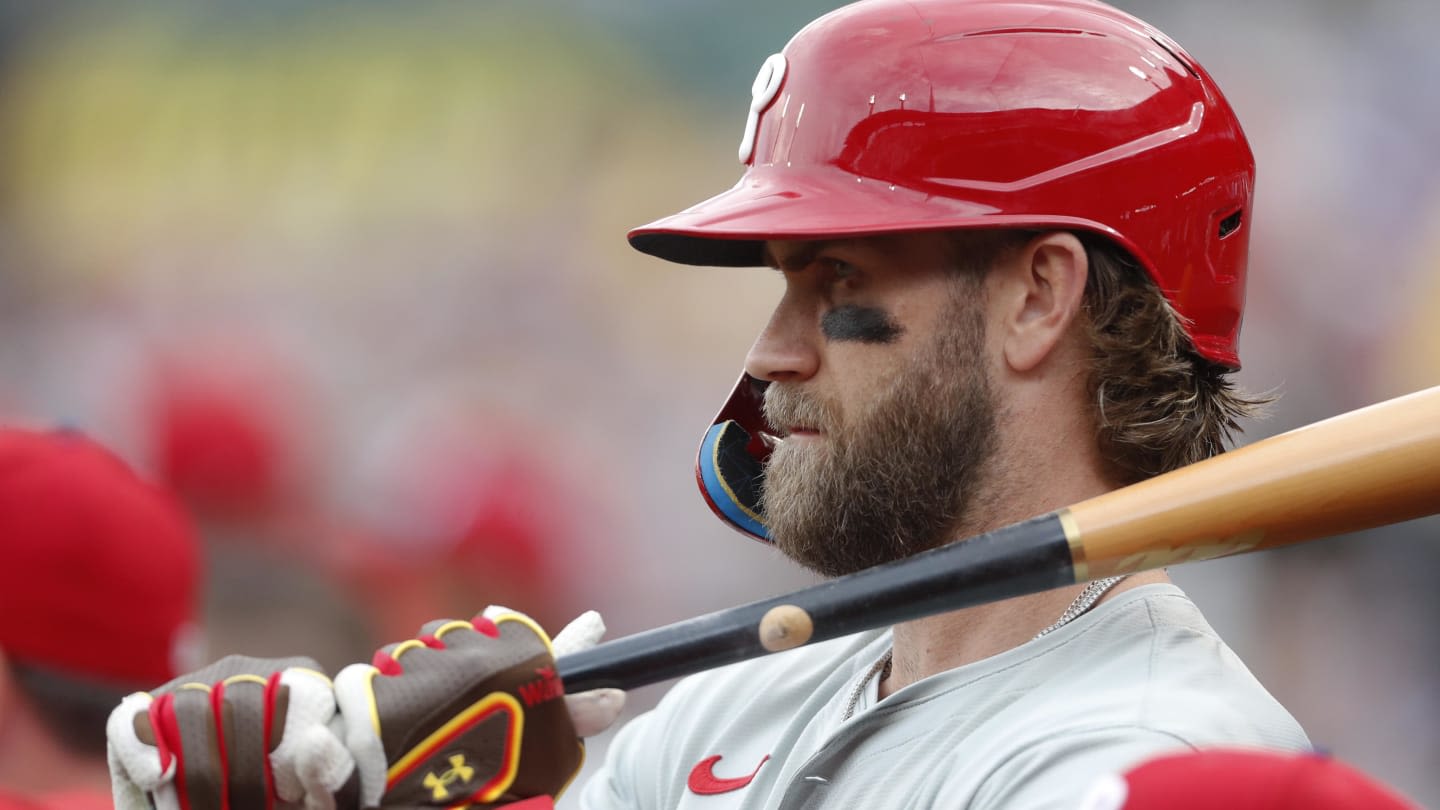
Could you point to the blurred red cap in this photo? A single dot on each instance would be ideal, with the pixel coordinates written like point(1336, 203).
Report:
point(101, 568)
point(1238, 779)
point(217, 451)
point(223, 425)
point(76, 799)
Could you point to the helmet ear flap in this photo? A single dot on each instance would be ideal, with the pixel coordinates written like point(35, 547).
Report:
point(730, 467)
point(1223, 303)
point(1211, 289)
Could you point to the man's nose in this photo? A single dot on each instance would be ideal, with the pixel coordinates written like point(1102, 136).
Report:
point(787, 348)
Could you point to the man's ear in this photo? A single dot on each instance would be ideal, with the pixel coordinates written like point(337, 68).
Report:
point(1038, 294)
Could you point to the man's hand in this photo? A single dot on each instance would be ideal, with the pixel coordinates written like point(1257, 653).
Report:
point(470, 712)
point(242, 733)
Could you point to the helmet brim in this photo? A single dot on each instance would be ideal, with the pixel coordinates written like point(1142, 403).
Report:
point(771, 203)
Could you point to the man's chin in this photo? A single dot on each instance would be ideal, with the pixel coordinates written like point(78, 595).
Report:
point(821, 554)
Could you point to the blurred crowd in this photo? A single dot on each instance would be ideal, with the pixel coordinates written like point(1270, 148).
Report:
point(351, 279)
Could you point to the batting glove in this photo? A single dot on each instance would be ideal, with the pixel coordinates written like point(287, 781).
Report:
point(471, 713)
point(240, 733)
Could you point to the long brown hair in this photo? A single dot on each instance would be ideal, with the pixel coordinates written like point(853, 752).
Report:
point(1160, 405)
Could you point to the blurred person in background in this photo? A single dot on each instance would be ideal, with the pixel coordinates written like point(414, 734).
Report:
point(449, 496)
point(90, 551)
point(228, 422)
point(1025, 252)
point(224, 420)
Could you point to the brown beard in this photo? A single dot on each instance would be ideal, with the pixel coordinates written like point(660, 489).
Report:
point(902, 476)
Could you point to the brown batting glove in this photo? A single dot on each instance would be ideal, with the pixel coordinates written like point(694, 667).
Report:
point(470, 713)
point(240, 733)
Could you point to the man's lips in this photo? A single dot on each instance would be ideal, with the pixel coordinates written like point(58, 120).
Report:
point(775, 438)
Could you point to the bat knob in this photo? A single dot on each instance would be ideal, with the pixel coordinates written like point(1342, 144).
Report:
point(785, 627)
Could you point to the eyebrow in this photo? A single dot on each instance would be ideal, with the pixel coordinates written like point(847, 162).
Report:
point(806, 254)
point(796, 260)
point(874, 247)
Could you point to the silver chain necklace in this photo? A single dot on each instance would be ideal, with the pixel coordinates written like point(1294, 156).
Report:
point(1082, 603)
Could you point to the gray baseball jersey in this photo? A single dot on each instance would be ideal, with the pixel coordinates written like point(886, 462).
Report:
point(1032, 727)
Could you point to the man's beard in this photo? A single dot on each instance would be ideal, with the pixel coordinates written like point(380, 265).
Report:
point(901, 475)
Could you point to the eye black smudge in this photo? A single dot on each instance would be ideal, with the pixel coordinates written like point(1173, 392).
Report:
point(860, 324)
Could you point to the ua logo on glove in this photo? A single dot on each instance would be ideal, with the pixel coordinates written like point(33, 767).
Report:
point(497, 720)
point(440, 784)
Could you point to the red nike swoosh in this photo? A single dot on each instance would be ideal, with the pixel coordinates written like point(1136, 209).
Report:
point(704, 782)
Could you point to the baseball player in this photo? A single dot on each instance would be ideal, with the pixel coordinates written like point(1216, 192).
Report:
point(99, 590)
point(1013, 240)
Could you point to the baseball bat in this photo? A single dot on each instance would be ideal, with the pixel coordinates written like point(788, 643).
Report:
point(1371, 467)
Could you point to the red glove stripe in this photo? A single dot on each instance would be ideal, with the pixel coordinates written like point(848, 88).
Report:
point(158, 707)
point(217, 706)
point(479, 711)
point(485, 626)
point(387, 665)
point(167, 739)
point(432, 642)
point(272, 688)
point(509, 765)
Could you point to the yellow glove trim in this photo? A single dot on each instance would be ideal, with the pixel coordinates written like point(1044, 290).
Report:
point(528, 622)
point(412, 644)
point(448, 626)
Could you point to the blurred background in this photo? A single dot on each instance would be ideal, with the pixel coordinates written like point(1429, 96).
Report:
point(352, 277)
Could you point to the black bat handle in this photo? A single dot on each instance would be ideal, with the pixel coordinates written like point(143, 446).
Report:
point(1019, 559)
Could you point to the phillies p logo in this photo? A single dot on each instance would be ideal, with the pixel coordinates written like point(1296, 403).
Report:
point(762, 92)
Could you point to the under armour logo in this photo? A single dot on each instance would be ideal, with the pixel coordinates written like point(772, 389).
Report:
point(440, 785)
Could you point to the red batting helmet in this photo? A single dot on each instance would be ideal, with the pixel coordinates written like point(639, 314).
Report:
point(904, 115)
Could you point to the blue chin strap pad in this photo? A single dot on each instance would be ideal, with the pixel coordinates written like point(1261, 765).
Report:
point(731, 478)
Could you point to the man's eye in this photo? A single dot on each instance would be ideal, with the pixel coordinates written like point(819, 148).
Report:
point(842, 269)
